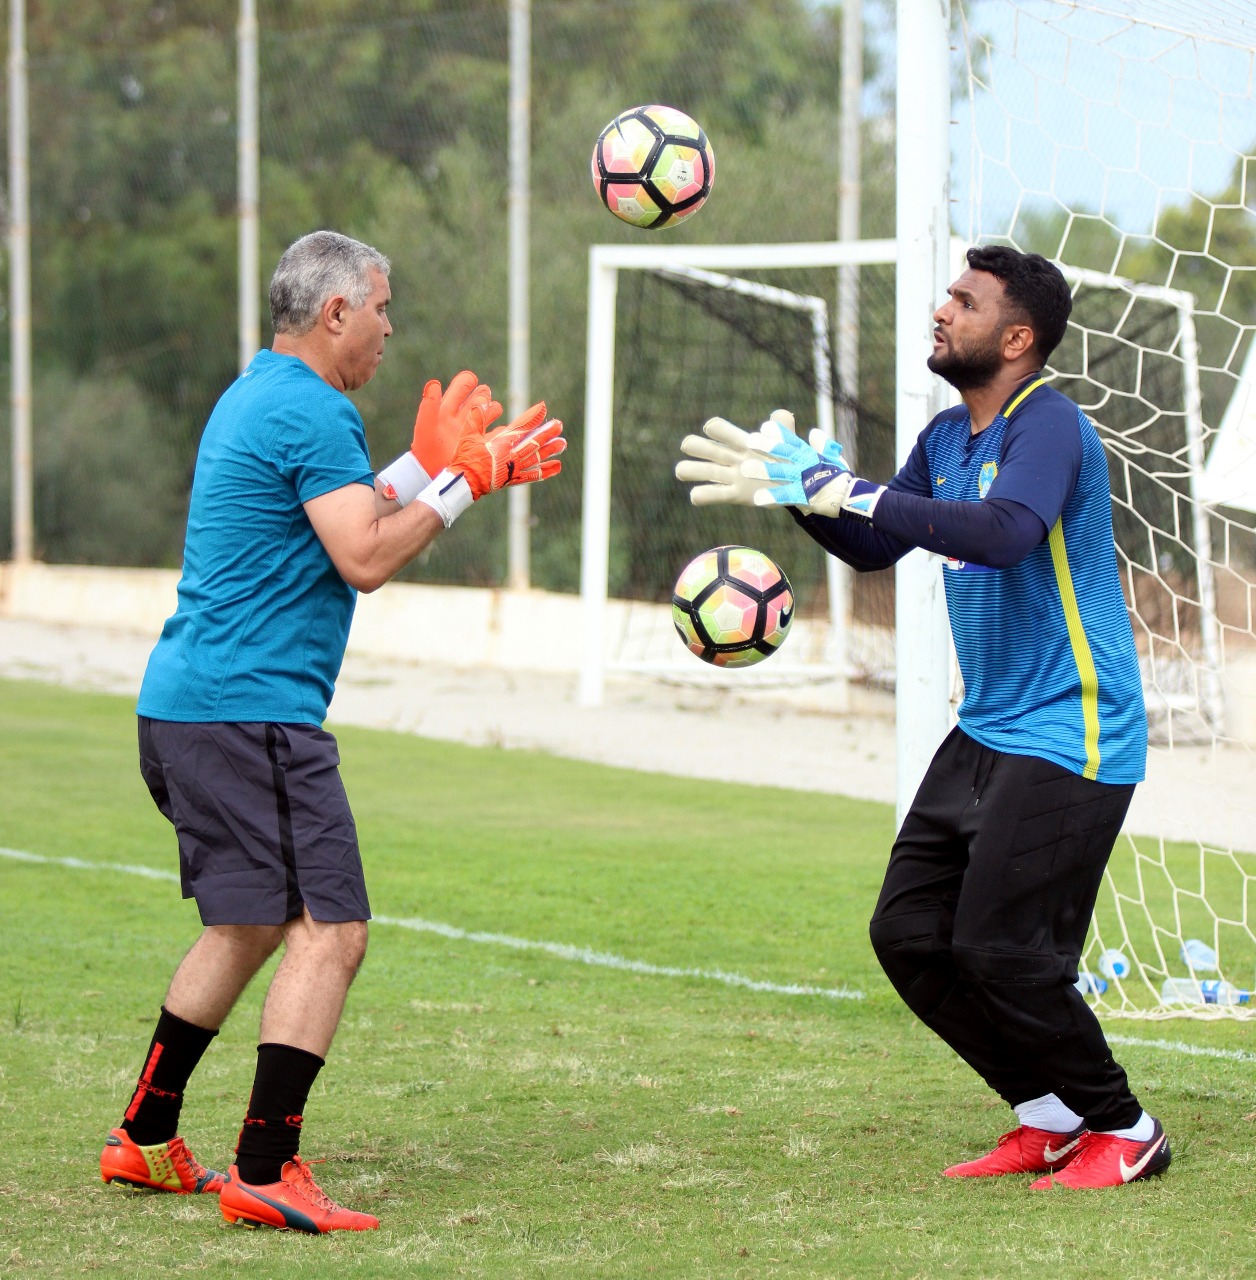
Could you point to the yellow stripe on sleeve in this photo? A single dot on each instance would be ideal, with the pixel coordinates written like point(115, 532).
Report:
point(1081, 648)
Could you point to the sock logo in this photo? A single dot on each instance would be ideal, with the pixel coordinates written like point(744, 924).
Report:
point(145, 1083)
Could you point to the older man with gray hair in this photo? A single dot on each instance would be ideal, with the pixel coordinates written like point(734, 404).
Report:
point(287, 523)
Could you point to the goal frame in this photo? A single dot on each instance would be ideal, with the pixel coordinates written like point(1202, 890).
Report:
point(701, 262)
point(923, 693)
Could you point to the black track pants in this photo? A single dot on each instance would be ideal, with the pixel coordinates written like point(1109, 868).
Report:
point(983, 916)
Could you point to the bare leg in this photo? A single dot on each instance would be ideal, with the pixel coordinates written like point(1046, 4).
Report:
point(307, 993)
point(214, 973)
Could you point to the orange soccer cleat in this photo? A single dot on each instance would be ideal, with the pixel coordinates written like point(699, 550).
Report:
point(163, 1166)
point(295, 1202)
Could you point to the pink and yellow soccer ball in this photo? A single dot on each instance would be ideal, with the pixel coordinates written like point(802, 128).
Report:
point(653, 167)
point(732, 606)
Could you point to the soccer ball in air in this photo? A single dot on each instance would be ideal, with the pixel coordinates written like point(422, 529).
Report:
point(732, 606)
point(653, 167)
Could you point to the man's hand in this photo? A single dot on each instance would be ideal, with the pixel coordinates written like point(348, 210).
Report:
point(811, 474)
point(522, 452)
point(717, 475)
point(438, 426)
point(442, 418)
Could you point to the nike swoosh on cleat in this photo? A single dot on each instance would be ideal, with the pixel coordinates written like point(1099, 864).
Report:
point(1131, 1171)
point(1051, 1156)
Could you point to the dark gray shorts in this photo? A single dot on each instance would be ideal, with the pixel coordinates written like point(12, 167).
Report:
point(263, 821)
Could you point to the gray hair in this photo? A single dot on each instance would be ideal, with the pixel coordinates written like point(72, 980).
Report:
point(321, 265)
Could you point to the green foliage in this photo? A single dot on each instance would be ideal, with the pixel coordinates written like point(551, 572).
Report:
point(111, 477)
point(387, 121)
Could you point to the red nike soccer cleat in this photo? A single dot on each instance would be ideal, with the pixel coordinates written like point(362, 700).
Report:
point(1104, 1160)
point(1024, 1150)
point(295, 1202)
point(164, 1166)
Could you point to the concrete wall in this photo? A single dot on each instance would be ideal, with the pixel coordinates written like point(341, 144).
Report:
point(455, 626)
point(137, 600)
point(467, 627)
point(460, 626)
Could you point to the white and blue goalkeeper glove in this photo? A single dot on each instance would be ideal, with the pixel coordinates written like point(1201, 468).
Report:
point(715, 472)
point(810, 474)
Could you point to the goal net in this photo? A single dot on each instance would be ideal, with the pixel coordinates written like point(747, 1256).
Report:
point(1117, 139)
point(735, 331)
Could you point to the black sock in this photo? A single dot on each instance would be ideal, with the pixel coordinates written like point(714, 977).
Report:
point(176, 1048)
point(272, 1128)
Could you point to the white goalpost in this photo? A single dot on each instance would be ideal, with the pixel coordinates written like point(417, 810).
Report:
point(828, 658)
point(1115, 138)
point(604, 620)
point(1109, 137)
point(1202, 697)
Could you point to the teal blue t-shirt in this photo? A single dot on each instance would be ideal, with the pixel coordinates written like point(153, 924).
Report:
point(263, 615)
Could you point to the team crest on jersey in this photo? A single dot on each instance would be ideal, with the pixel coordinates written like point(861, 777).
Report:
point(988, 471)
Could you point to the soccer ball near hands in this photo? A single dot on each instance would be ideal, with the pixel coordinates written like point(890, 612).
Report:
point(653, 166)
point(732, 606)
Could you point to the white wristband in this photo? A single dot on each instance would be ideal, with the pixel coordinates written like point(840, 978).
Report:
point(449, 495)
point(404, 479)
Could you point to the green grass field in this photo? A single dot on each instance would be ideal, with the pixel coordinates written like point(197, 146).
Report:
point(511, 1111)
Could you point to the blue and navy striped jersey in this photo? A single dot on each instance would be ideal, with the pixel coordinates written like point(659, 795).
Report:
point(1045, 647)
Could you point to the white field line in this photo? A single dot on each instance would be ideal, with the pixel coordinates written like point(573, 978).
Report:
point(1180, 1046)
point(560, 950)
point(603, 959)
point(606, 960)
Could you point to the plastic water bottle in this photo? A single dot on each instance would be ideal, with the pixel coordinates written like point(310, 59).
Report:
point(1199, 956)
point(1090, 983)
point(1218, 991)
point(1207, 991)
point(1181, 991)
point(1113, 964)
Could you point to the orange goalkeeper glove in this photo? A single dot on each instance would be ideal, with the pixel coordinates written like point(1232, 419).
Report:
point(441, 419)
point(522, 452)
point(438, 426)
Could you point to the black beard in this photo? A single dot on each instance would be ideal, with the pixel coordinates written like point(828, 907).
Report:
point(969, 371)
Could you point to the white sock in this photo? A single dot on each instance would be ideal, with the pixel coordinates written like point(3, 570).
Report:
point(1138, 1132)
point(1048, 1113)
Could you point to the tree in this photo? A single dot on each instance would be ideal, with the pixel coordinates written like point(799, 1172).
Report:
point(388, 120)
